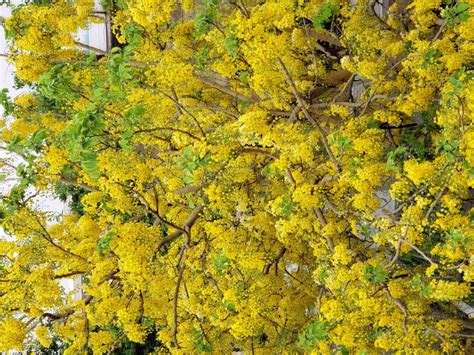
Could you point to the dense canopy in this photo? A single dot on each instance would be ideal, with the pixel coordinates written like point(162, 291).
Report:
point(260, 176)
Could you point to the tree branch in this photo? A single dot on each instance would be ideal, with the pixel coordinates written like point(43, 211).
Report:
point(308, 115)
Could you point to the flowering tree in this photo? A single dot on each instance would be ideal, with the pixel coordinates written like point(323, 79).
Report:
point(263, 176)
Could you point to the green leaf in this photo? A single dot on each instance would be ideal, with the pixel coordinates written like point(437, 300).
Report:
point(366, 230)
point(221, 263)
point(372, 124)
point(103, 243)
point(228, 306)
point(90, 165)
point(188, 179)
point(201, 58)
point(375, 274)
point(461, 7)
point(314, 333)
point(287, 207)
point(423, 289)
point(6, 102)
point(231, 46)
point(457, 14)
point(125, 141)
point(395, 158)
point(430, 57)
point(201, 344)
point(325, 14)
point(205, 17)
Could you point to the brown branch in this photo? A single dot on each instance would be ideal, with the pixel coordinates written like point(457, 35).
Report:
point(383, 24)
point(224, 89)
point(465, 308)
point(167, 129)
point(56, 316)
point(293, 276)
point(173, 236)
point(180, 107)
point(175, 303)
point(308, 115)
point(319, 214)
point(256, 151)
point(373, 94)
point(48, 238)
point(77, 184)
point(419, 251)
point(345, 90)
point(397, 251)
point(90, 48)
point(155, 212)
point(399, 305)
point(435, 202)
point(275, 261)
point(187, 190)
point(141, 308)
point(69, 274)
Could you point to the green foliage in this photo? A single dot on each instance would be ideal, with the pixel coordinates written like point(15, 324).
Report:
point(450, 147)
point(133, 116)
point(456, 238)
point(287, 207)
point(82, 137)
point(103, 244)
point(56, 85)
point(325, 14)
point(205, 17)
point(231, 45)
point(423, 289)
point(244, 77)
point(458, 82)
point(191, 161)
point(375, 274)
point(430, 57)
point(120, 72)
point(72, 194)
point(314, 333)
point(366, 230)
point(37, 139)
point(221, 263)
point(201, 344)
point(201, 58)
point(228, 306)
point(133, 35)
point(372, 124)
point(457, 14)
point(6, 102)
point(395, 158)
point(125, 141)
point(112, 5)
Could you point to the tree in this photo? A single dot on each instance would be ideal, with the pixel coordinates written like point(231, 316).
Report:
point(231, 177)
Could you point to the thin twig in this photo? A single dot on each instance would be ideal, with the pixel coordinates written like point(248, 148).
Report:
point(399, 305)
point(397, 251)
point(418, 250)
point(319, 214)
point(267, 267)
point(308, 115)
point(175, 302)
